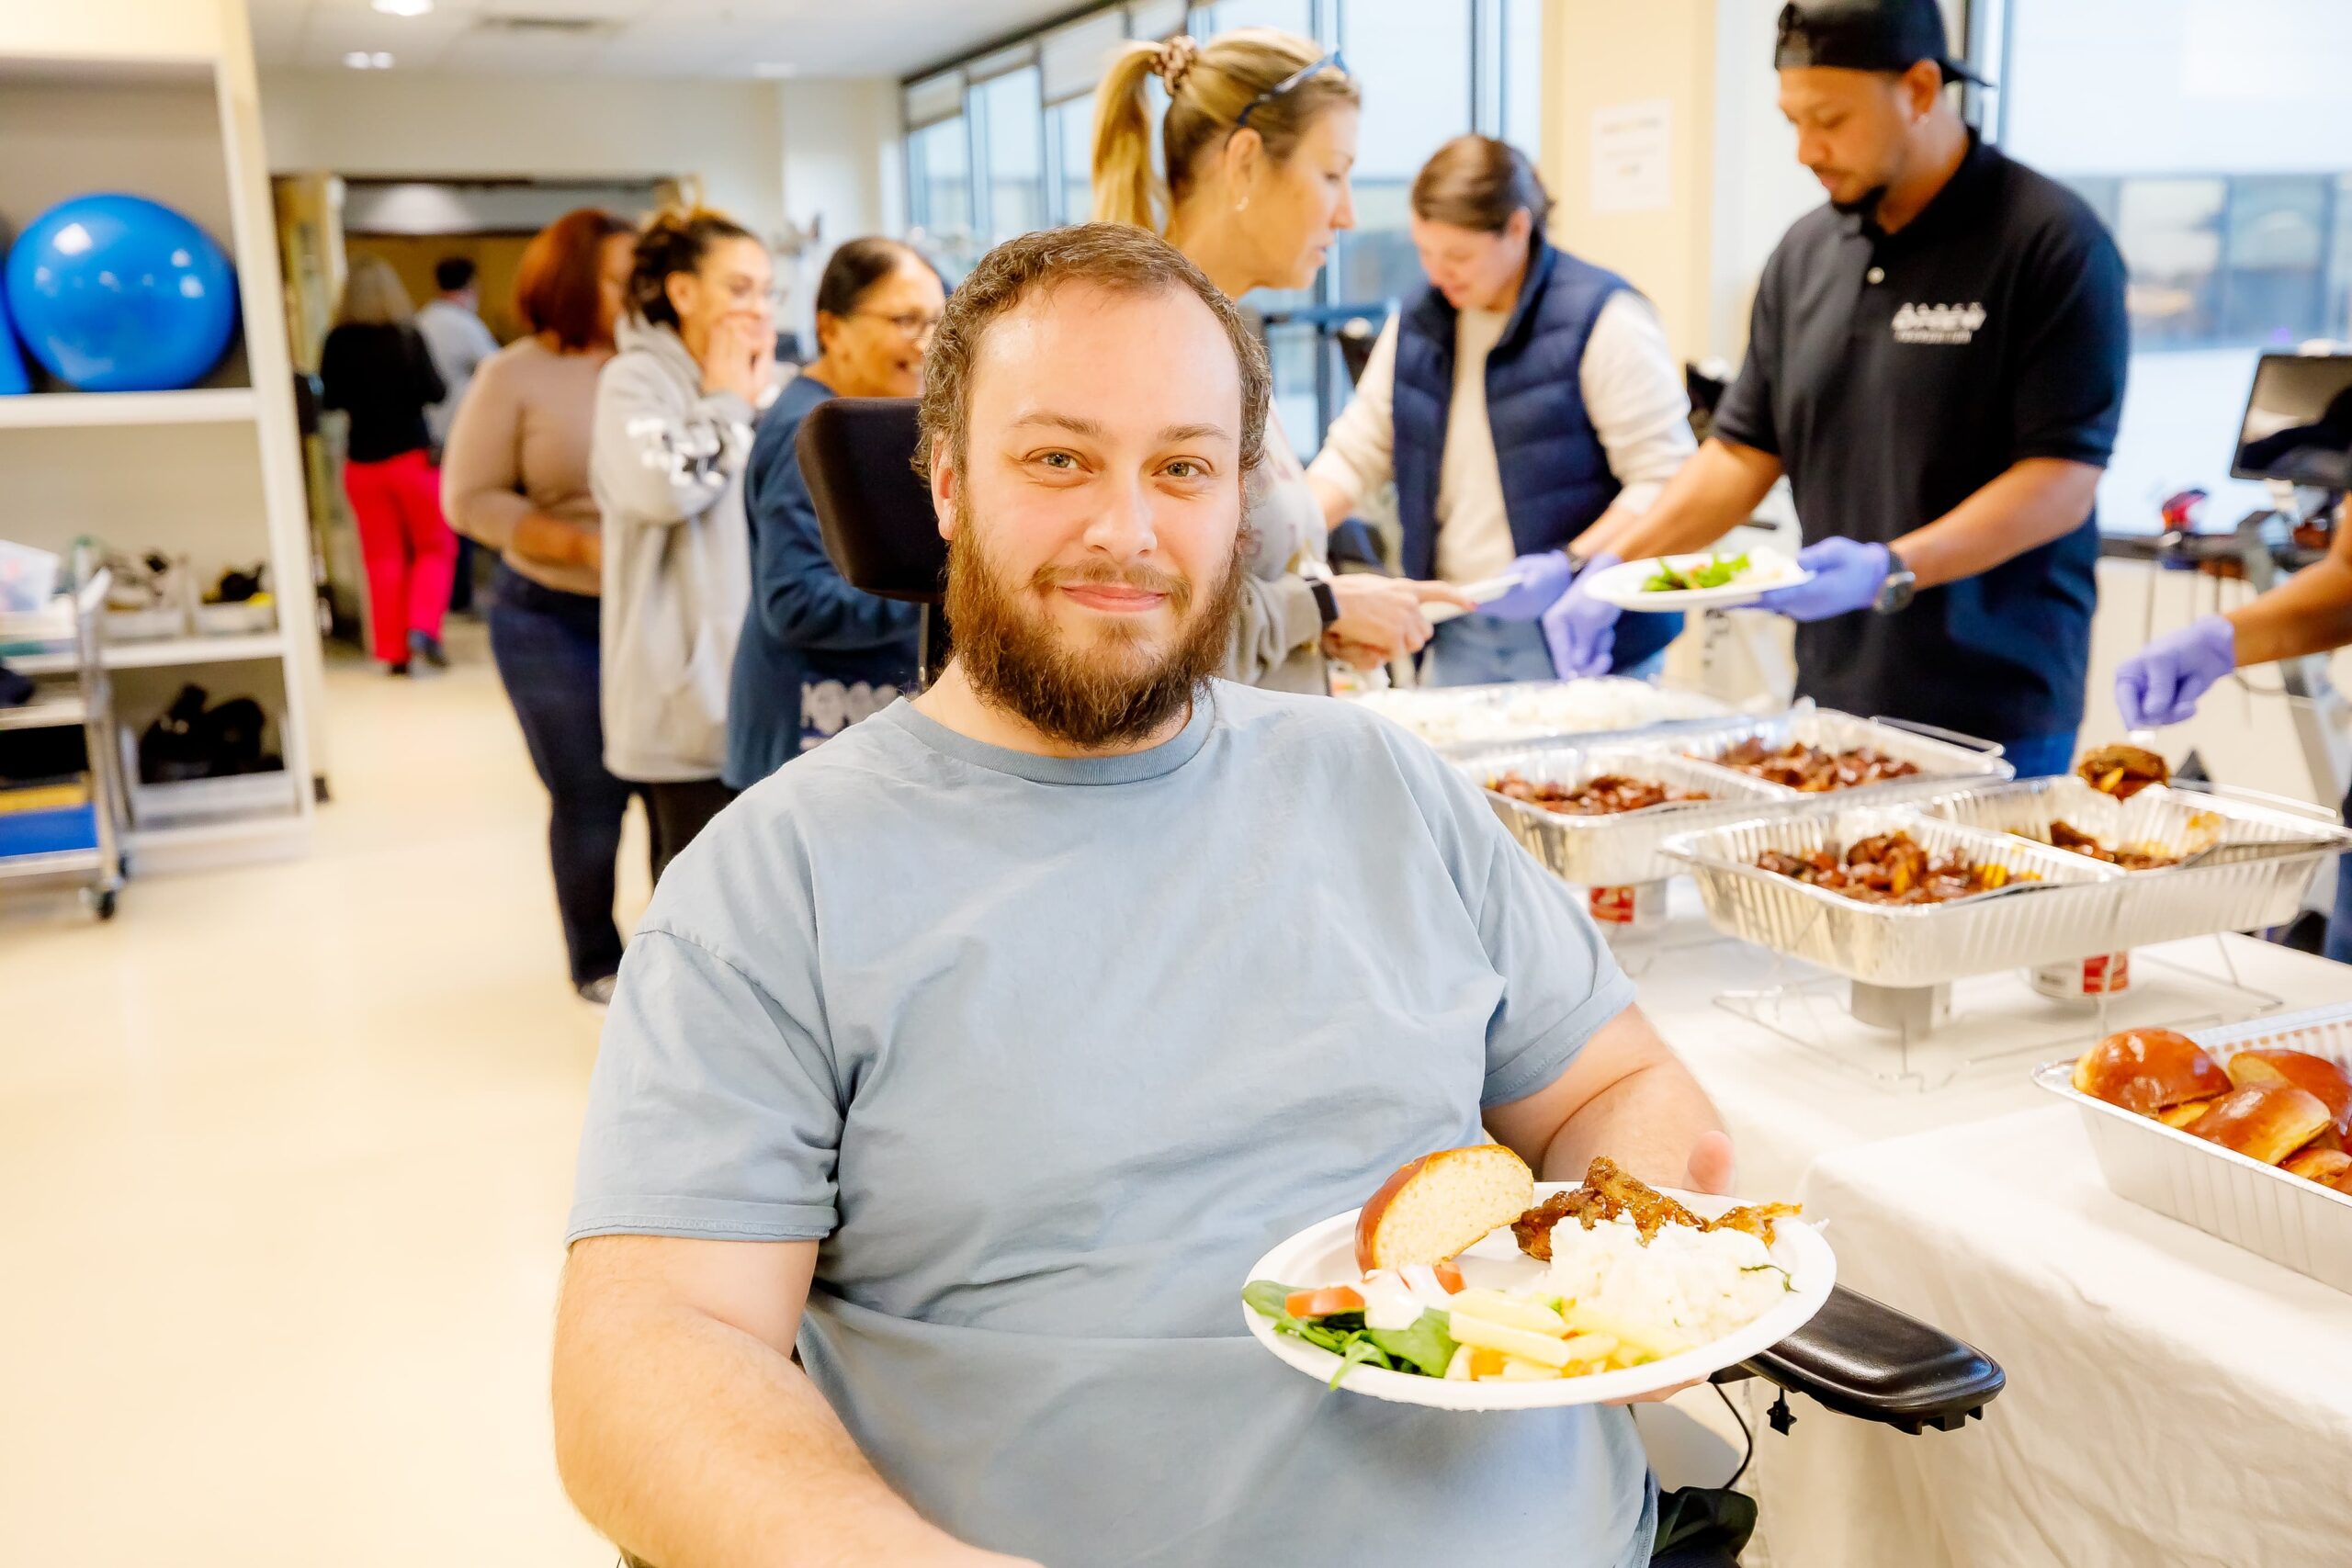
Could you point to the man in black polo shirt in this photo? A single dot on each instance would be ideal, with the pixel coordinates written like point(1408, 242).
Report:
point(1936, 360)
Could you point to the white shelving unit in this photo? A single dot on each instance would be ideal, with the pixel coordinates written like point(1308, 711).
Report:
point(159, 99)
point(165, 653)
point(66, 410)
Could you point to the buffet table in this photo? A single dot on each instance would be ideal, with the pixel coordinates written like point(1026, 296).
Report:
point(1788, 1107)
point(2172, 1398)
point(2167, 1396)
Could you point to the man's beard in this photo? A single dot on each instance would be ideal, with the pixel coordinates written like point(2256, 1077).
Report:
point(1864, 205)
point(1108, 694)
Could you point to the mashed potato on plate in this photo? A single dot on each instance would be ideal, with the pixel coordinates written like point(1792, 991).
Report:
point(1684, 1288)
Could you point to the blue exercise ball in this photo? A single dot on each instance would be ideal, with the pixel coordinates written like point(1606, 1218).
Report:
point(119, 294)
point(13, 379)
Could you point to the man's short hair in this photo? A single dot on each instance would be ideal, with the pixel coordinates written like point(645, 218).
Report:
point(452, 273)
point(1115, 256)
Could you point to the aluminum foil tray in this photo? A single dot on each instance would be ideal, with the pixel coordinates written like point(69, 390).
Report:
point(2296, 1223)
point(1621, 850)
point(1942, 762)
point(1929, 944)
point(1452, 717)
point(2269, 854)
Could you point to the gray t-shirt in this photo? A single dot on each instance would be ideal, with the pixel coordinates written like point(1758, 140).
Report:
point(1047, 1053)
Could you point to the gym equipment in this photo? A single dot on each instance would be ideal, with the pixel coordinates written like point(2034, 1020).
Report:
point(116, 293)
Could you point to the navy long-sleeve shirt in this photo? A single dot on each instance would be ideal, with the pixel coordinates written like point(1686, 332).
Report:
point(815, 654)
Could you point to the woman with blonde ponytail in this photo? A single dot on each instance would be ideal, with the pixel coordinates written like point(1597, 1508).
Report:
point(1258, 138)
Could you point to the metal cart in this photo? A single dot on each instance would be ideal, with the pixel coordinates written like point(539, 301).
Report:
point(67, 660)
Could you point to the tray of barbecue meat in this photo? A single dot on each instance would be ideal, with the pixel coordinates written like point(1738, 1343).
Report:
point(1596, 817)
point(2199, 860)
point(1820, 752)
point(1890, 896)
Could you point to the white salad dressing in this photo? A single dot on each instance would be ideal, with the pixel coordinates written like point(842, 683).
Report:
point(1395, 1298)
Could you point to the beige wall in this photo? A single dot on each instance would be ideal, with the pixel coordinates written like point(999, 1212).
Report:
point(394, 122)
point(1602, 53)
point(140, 29)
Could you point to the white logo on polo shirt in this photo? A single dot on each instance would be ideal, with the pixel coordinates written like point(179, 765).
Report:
point(1937, 323)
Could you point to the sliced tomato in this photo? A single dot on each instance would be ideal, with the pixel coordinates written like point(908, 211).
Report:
point(1449, 1278)
point(1322, 1302)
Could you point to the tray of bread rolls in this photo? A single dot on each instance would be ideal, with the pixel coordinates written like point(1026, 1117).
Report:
point(2197, 861)
point(1596, 816)
point(1466, 719)
point(2040, 906)
point(2240, 1130)
point(1824, 754)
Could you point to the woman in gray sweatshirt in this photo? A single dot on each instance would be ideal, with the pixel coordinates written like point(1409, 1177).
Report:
point(674, 412)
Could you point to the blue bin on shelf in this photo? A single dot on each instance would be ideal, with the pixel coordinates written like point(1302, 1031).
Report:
point(55, 830)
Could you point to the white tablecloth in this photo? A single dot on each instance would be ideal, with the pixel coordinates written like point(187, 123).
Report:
point(2114, 1443)
point(2172, 1399)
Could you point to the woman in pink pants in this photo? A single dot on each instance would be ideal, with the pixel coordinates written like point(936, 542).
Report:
point(375, 368)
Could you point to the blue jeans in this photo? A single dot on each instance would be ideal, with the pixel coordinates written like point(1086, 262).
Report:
point(545, 643)
point(2041, 756)
point(1478, 650)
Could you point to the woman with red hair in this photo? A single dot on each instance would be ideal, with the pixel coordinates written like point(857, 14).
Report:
point(515, 477)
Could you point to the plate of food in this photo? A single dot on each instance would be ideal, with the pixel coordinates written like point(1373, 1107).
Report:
point(1705, 579)
point(1465, 1284)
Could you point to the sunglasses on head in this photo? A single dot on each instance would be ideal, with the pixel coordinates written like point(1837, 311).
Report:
point(1288, 85)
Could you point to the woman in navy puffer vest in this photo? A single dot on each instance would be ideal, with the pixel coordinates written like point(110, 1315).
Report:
point(1519, 400)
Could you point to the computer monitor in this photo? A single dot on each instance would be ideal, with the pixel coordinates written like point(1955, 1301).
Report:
point(2298, 424)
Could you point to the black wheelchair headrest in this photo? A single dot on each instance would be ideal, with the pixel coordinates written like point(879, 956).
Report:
point(856, 457)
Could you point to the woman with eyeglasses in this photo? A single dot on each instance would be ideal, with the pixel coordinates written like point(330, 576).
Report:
point(817, 654)
point(674, 411)
point(1258, 141)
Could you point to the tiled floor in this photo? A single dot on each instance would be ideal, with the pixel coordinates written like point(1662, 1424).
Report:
point(286, 1152)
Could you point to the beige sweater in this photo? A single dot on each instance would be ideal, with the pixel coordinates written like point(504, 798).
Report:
point(519, 445)
point(1277, 631)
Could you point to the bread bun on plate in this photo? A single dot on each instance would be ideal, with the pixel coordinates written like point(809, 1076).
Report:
point(2314, 1075)
point(2266, 1122)
point(2148, 1070)
point(1441, 1204)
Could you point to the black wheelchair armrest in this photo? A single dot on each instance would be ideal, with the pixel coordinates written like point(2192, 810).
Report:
point(1863, 1359)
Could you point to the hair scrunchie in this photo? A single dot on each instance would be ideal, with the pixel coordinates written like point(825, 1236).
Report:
point(1174, 62)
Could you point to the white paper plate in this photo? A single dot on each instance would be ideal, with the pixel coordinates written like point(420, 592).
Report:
point(1485, 593)
point(1767, 568)
point(1325, 1253)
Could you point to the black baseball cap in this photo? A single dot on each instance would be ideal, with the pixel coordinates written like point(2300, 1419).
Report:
point(1866, 35)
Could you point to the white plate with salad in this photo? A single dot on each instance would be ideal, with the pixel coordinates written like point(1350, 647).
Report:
point(1704, 579)
point(1466, 1285)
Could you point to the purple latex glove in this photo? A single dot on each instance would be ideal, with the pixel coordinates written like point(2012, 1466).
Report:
point(1542, 578)
point(1581, 631)
point(1846, 577)
point(2160, 685)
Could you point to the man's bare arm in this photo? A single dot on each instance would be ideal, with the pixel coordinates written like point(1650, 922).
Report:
point(1629, 1097)
point(1717, 490)
point(2308, 613)
point(2032, 503)
point(686, 1434)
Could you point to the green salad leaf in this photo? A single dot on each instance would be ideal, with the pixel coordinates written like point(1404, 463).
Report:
point(1716, 571)
point(1425, 1348)
point(1426, 1344)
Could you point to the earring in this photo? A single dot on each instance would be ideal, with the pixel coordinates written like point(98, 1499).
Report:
point(1243, 205)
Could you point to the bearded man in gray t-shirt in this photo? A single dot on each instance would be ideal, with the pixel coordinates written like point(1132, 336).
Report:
point(978, 1053)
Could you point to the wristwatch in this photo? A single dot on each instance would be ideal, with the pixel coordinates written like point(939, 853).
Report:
point(1325, 601)
point(1895, 593)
